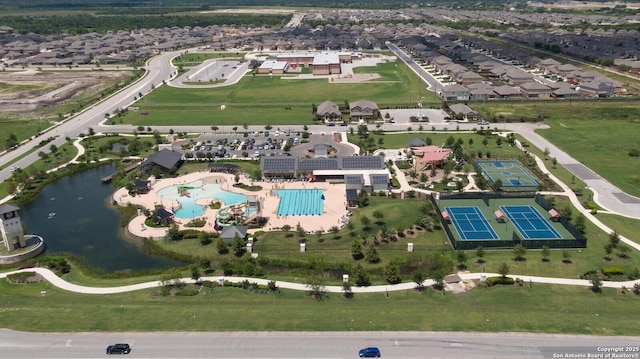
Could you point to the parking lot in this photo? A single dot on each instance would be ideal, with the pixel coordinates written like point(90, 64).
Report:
point(244, 144)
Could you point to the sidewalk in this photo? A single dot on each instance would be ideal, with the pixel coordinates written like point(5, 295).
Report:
point(62, 284)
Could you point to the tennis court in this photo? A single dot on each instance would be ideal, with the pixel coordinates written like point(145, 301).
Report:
point(470, 223)
point(511, 173)
point(530, 222)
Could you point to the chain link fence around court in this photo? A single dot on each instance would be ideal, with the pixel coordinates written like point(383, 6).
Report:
point(573, 239)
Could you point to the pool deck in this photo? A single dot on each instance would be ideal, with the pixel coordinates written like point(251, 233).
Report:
point(334, 205)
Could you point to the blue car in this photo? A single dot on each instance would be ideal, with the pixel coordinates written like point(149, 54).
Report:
point(370, 352)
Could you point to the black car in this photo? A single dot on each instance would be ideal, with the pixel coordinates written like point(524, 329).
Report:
point(120, 348)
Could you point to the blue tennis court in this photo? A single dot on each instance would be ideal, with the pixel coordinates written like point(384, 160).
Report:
point(510, 173)
point(530, 222)
point(471, 223)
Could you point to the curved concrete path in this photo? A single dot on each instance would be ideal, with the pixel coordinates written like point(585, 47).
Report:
point(62, 284)
point(606, 195)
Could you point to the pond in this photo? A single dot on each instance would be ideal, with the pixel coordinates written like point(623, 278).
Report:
point(74, 215)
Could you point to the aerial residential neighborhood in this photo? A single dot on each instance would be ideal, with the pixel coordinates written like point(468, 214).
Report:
point(383, 180)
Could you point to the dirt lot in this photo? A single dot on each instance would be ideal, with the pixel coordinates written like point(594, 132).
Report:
point(28, 93)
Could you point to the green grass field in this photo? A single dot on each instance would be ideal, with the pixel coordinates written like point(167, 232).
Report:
point(599, 134)
point(262, 100)
point(603, 146)
point(496, 309)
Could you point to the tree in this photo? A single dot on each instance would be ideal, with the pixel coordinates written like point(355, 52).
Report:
point(316, 286)
point(360, 276)
point(503, 269)
point(334, 231)
point(485, 141)
point(497, 185)
point(438, 277)
point(418, 279)
point(470, 141)
point(371, 255)
point(365, 220)
point(614, 239)
point(392, 273)
point(480, 254)
point(580, 223)
point(461, 257)
point(378, 215)
point(356, 249)
point(608, 249)
point(237, 245)
point(346, 289)
point(546, 152)
point(221, 246)
point(173, 233)
point(300, 230)
point(546, 252)
point(499, 141)
point(195, 272)
point(596, 285)
point(235, 129)
point(214, 128)
point(566, 256)
point(519, 251)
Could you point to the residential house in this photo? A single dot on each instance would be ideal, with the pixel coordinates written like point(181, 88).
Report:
point(507, 92)
point(516, 76)
point(455, 92)
point(535, 89)
point(463, 112)
point(364, 110)
point(328, 111)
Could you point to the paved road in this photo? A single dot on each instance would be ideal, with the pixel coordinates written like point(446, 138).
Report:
point(405, 345)
point(158, 70)
point(607, 195)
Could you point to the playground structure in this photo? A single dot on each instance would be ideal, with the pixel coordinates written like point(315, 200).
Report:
point(238, 214)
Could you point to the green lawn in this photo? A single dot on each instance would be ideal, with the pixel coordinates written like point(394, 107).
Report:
point(603, 145)
point(262, 100)
point(496, 309)
point(599, 134)
point(193, 59)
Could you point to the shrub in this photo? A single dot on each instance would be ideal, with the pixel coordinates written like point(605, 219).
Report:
point(20, 277)
point(491, 281)
point(611, 271)
point(590, 274)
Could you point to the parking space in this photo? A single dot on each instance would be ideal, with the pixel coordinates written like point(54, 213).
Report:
point(242, 144)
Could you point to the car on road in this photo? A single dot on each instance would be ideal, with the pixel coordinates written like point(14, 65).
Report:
point(483, 123)
point(120, 348)
point(369, 352)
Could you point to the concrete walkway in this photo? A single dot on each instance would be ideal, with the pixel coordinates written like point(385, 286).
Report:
point(62, 284)
point(606, 195)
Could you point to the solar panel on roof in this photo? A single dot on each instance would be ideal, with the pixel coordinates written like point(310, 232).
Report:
point(278, 165)
point(362, 162)
point(310, 164)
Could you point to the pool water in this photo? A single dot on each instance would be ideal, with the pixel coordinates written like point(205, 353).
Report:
point(198, 190)
point(300, 202)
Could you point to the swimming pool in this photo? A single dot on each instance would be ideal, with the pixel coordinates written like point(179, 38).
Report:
point(187, 194)
point(300, 202)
